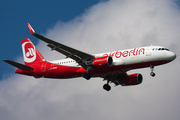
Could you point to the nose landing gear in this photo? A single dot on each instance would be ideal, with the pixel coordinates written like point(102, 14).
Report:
point(152, 69)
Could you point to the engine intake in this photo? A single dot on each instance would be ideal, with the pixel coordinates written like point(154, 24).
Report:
point(133, 79)
point(102, 62)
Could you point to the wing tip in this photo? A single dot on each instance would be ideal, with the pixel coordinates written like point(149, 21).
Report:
point(5, 60)
point(30, 28)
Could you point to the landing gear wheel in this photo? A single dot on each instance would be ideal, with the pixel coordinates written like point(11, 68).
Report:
point(107, 87)
point(152, 74)
point(86, 76)
point(152, 69)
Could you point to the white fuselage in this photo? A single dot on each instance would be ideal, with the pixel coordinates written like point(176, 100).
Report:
point(129, 56)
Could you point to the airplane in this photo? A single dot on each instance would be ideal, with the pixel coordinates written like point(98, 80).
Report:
point(110, 66)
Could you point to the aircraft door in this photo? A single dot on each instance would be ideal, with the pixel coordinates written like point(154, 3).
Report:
point(148, 51)
point(43, 67)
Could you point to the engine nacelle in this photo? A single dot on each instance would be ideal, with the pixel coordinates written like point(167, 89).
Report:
point(133, 79)
point(102, 62)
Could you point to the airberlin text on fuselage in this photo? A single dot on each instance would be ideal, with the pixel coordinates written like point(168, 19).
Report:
point(126, 53)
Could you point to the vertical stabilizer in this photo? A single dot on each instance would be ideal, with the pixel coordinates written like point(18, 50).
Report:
point(30, 53)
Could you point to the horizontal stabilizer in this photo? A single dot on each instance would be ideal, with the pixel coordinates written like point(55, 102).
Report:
point(18, 65)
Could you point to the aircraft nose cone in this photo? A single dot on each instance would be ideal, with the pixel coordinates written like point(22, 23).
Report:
point(172, 56)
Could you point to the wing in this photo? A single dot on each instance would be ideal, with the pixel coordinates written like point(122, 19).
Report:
point(80, 57)
point(116, 79)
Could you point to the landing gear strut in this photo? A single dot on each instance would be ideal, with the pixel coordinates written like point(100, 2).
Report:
point(152, 69)
point(87, 76)
point(107, 87)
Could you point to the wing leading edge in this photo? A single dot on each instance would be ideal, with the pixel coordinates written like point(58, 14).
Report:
point(80, 57)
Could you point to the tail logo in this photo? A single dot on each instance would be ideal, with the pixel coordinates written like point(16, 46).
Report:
point(29, 52)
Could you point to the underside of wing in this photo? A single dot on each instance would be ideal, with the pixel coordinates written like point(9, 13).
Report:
point(116, 79)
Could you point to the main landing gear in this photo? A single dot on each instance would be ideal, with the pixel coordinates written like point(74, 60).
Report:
point(87, 76)
point(107, 87)
point(152, 69)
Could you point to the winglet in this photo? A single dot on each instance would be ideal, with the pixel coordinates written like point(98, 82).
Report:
point(30, 28)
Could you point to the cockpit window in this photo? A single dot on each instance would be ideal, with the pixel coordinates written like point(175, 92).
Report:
point(163, 49)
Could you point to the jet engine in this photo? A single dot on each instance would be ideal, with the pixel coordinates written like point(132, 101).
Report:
point(133, 79)
point(102, 62)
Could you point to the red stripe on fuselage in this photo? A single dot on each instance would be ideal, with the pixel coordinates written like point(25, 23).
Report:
point(63, 72)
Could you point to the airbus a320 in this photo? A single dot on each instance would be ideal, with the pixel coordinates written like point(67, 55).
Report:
point(110, 66)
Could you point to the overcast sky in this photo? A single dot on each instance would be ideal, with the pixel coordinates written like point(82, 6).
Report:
point(105, 26)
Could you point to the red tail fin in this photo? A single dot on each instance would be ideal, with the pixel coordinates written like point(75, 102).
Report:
point(30, 53)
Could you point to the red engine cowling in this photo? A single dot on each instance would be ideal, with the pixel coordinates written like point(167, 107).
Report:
point(102, 62)
point(133, 79)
